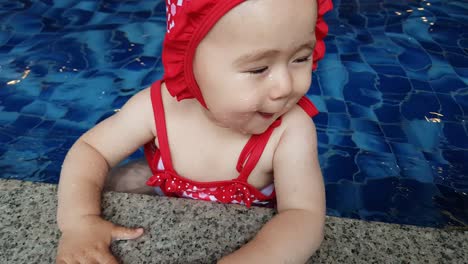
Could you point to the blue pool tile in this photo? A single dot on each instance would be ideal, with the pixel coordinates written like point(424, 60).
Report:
point(339, 138)
point(364, 37)
point(346, 45)
point(423, 134)
point(120, 101)
point(361, 89)
point(394, 28)
point(444, 30)
point(453, 202)
point(393, 84)
point(26, 122)
point(5, 35)
point(77, 114)
point(356, 57)
point(108, 6)
point(358, 111)
point(462, 72)
point(343, 198)
point(343, 156)
point(394, 132)
point(26, 23)
point(43, 129)
point(378, 56)
point(65, 128)
point(335, 106)
point(6, 48)
point(393, 98)
point(366, 126)
point(377, 194)
point(421, 85)
point(332, 82)
point(141, 63)
point(420, 104)
point(87, 5)
point(44, 109)
point(414, 168)
point(372, 93)
point(319, 103)
point(402, 198)
point(435, 157)
point(320, 120)
point(15, 102)
point(322, 137)
point(431, 46)
point(375, 165)
point(352, 66)
point(5, 138)
point(370, 142)
point(406, 150)
point(461, 99)
point(7, 117)
point(447, 83)
point(456, 157)
point(315, 86)
point(338, 121)
point(388, 113)
point(395, 70)
point(411, 202)
point(449, 108)
point(456, 135)
point(457, 60)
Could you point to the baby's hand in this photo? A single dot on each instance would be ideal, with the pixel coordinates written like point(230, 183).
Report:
point(89, 240)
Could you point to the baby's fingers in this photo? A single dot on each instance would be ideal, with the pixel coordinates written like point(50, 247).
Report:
point(106, 258)
point(91, 256)
point(125, 233)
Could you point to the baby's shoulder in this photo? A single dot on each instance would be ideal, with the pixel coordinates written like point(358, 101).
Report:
point(295, 124)
point(139, 108)
point(139, 103)
point(297, 118)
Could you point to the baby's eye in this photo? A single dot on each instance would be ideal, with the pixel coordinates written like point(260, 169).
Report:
point(303, 59)
point(258, 70)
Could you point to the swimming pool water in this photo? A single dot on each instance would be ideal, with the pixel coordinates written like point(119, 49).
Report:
point(392, 91)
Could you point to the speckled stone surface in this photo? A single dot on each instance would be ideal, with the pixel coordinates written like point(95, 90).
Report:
point(185, 231)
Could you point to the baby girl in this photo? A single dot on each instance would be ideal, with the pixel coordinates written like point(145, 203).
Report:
point(229, 122)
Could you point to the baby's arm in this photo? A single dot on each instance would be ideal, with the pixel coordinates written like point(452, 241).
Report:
point(296, 232)
point(85, 235)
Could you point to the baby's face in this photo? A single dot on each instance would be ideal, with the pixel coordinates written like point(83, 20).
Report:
point(256, 62)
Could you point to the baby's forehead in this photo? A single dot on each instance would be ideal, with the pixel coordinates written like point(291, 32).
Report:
point(262, 15)
point(260, 22)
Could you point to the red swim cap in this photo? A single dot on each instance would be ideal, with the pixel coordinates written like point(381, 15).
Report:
point(188, 22)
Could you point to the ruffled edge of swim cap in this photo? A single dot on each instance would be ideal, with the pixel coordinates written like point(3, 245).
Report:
point(188, 23)
point(321, 30)
point(193, 21)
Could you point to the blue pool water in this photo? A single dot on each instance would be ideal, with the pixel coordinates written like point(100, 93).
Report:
point(392, 91)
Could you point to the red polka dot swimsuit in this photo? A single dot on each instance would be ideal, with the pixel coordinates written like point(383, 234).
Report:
point(168, 182)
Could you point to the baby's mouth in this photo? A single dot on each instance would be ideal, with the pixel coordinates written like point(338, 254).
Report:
point(266, 115)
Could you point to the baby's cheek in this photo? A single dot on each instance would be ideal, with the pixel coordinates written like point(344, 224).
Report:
point(301, 91)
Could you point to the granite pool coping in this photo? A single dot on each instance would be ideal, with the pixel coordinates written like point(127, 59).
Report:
point(186, 231)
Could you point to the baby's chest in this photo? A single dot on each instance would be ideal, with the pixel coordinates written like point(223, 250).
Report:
point(198, 157)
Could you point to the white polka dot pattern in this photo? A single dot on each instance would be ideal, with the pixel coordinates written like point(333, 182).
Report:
point(171, 11)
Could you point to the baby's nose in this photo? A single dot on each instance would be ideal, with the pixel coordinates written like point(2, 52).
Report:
point(281, 86)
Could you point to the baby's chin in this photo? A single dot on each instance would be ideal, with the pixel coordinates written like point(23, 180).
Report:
point(250, 129)
point(254, 129)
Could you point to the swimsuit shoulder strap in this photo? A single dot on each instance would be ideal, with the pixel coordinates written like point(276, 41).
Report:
point(308, 106)
point(160, 121)
point(253, 150)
